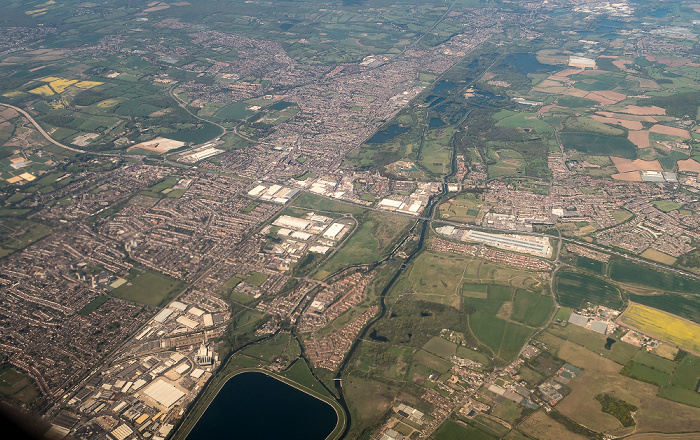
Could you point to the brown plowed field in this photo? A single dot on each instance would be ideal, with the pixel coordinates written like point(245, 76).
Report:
point(639, 138)
point(672, 131)
point(689, 165)
point(626, 165)
point(637, 110)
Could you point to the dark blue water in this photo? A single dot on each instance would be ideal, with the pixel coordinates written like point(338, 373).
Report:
point(387, 134)
point(434, 100)
point(254, 406)
point(527, 63)
point(435, 123)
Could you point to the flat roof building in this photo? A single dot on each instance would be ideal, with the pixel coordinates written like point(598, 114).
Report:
point(333, 230)
point(163, 393)
point(579, 320)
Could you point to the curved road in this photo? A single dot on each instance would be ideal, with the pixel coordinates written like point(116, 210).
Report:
point(42, 131)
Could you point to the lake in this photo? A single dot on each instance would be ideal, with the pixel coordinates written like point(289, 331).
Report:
point(252, 406)
point(387, 134)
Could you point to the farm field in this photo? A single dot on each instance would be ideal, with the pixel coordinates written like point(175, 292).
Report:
point(440, 347)
point(629, 272)
point(531, 308)
point(593, 265)
point(500, 317)
point(620, 352)
point(687, 307)
point(601, 145)
point(150, 288)
point(575, 289)
point(664, 326)
point(543, 427)
point(451, 430)
point(687, 375)
point(600, 375)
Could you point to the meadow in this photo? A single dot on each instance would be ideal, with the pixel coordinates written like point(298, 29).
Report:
point(372, 240)
point(149, 288)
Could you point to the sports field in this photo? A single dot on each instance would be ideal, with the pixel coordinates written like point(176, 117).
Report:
point(149, 288)
point(664, 326)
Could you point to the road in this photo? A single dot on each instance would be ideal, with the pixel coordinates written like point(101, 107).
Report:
point(41, 130)
point(535, 234)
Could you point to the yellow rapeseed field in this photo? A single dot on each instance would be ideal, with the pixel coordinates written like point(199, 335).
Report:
point(664, 326)
point(87, 84)
point(107, 103)
point(43, 91)
point(60, 85)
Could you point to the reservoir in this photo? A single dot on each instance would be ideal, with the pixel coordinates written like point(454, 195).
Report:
point(387, 134)
point(253, 406)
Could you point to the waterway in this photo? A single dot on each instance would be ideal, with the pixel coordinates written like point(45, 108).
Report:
point(254, 405)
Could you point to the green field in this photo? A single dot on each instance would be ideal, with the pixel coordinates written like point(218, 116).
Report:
point(281, 346)
point(93, 305)
point(531, 308)
point(680, 395)
point(468, 353)
point(575, 102)
point(593, 265)
point(626, 271)
point(150, 288)
point(666, 205)
point(234, 112)
point(451, 430)
point(436, 277)
point(687, 375)
point(317, 203)
point(16, 234)
point(17, 386)
point(256, 278)
point(575, 289)
point(599, 145)
point(645, 374)
point(652, 361)
point(374, 238)
point(440, 347)
point(619, 352)
point(431, 361)
point(526, 120)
